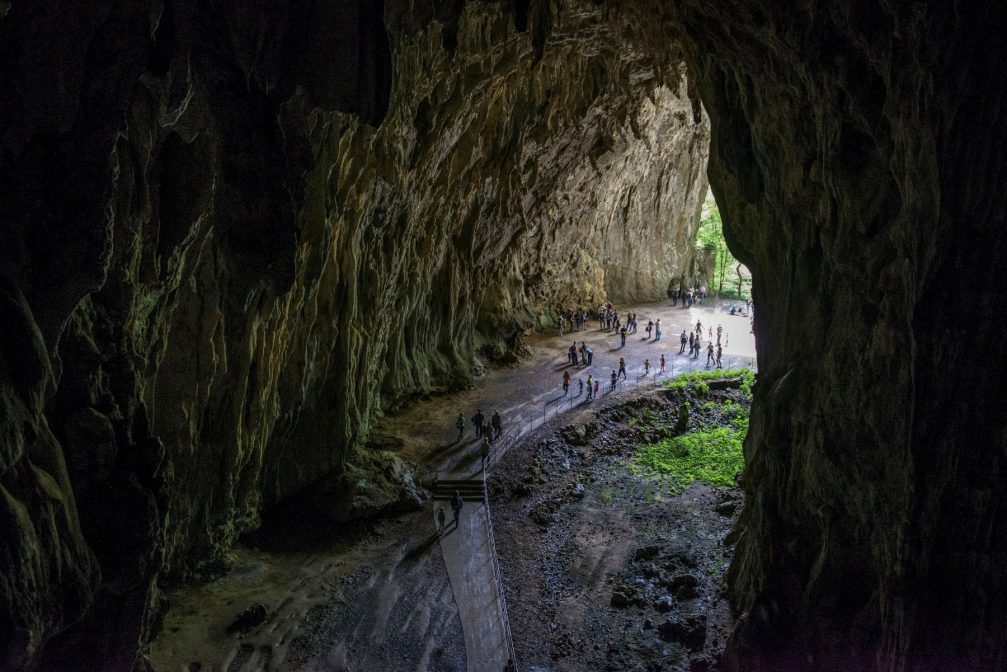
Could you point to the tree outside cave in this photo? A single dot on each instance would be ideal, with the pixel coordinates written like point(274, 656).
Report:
point(725, 275)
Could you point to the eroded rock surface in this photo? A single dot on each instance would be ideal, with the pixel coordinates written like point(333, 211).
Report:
point(232, 234)
point(857, 156)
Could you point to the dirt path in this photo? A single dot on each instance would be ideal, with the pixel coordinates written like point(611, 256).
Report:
point(384, 601)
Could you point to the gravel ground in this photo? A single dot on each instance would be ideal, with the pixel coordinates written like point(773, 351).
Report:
point(604, 569)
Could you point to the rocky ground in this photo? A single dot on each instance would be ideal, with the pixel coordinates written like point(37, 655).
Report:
point(607, 568)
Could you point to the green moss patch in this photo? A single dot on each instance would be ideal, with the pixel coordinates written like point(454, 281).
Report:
point(712, 452)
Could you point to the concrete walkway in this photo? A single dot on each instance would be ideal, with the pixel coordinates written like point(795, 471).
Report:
point(468, 555)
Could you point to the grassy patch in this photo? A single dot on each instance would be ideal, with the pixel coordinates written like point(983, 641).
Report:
point(712, 453)
point(697, 381)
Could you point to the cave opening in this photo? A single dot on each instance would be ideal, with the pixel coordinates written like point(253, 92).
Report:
point(257, 261)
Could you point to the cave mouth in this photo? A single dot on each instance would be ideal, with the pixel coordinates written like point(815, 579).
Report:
point(234, 237)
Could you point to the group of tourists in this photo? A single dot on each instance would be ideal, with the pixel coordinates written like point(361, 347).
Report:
point(576, 321)
point(487, 431)
point(695, 343)
point(688, 296)
point(579, 356)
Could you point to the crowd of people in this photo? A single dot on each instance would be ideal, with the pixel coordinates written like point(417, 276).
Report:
point(612, 321)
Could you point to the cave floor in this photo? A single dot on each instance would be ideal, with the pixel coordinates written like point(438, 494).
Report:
point(379, 598)
point(521, 392)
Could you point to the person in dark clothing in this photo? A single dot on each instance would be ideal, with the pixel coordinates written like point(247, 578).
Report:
point(566, 382)
point(613, 379)
point(484, 451)
point(497, 424)
point(622, 334)
point(720, 352)
point(477, 420)
point(622, 368)
point(684, 340)
point(456, 506)
point(460, 424)
point(709, 353)
point(440, 520)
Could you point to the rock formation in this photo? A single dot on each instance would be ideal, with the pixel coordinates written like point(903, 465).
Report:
point(232, 234)
point(857, 153)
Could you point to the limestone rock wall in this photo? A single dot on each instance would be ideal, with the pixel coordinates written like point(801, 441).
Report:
point(857, 156)
point(232, 233)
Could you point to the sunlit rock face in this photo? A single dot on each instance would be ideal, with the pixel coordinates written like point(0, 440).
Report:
point(857, 153)
point(232, 233)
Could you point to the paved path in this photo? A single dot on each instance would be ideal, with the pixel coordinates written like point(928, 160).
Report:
point(469, 557)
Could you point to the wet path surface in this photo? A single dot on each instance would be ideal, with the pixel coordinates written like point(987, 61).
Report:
point(523, 392)
point(384, 601)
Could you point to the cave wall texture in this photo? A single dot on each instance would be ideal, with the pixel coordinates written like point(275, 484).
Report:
point(233, 233)
point(857, 154)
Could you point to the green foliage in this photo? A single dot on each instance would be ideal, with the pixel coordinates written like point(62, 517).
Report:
point(697, 381)
point(712, 454)
point(711, 237)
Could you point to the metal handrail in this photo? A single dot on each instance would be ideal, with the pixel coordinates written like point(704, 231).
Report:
point(498, 575)
point(503, 442)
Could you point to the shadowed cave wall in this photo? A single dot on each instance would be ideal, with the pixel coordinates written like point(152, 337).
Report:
point(857, 154)
point(233, 233)
point(219, 244)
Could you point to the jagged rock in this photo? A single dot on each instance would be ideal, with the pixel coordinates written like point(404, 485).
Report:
point(624, 595)
point(646, 553)
point(580, 435)
point(727, 508)
point(685, 586)
point(690, 631)
point(384, 484)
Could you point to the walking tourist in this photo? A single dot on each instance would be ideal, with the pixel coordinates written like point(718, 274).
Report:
point(456, 506)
